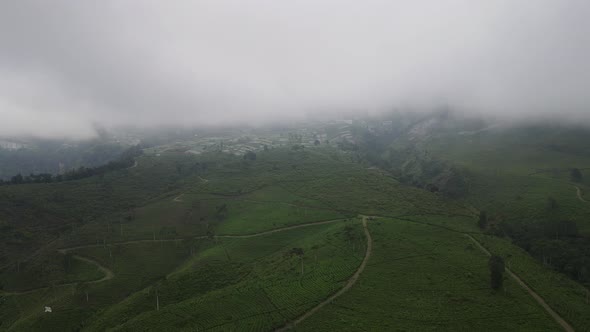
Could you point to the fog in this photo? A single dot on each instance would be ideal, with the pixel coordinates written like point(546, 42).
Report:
point(67, 65)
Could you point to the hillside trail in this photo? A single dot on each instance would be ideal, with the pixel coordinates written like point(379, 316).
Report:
point(276, 230)
point(133, 166)
point(565, 325)
point(344, 289)
point(177, 198)
point(109, 274)
point(579, 194)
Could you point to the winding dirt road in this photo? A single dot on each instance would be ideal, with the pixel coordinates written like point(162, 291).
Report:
point(133, 166)
point(282, 229)
point(109, 274)
point(565, 325)
point(344, 289)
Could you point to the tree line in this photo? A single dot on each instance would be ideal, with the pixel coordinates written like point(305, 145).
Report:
point(409, 164)
point(557, 243)
point(125, 160)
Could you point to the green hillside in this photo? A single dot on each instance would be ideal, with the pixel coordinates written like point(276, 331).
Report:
point(309, 239)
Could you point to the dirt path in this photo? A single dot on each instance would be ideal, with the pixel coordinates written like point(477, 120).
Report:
point(246, 236)
point(64, 250)
point(565, 325)
point(344, 289)
point(301, 206)
point(109, 274)
point(177, 198)
point(579, 193)
point(133, 166)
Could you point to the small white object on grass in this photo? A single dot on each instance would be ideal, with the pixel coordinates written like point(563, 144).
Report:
point(48, 309)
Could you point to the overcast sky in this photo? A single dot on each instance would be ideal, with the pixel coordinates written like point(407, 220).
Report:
point(66, 64)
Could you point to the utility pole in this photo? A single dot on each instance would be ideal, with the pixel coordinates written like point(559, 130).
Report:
point(157, 301)
point(302, 266)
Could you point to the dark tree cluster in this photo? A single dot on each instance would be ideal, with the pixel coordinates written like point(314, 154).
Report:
point(556, 243)
point(576, 175)
point(411, 164)
point(496, 265)
point(250, 155)
point(483, 220)
point(221, 211)
point(127, 159)
point(296, 252)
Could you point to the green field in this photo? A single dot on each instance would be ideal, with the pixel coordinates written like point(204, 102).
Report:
point(215, 242)
point(423, 278)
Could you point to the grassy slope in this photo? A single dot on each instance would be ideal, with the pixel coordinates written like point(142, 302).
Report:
point(270, 287)
point(515, 171)
point(135, 267)
point(312, 185)
point(67, 213)
point(565, 296)
point(423, 278)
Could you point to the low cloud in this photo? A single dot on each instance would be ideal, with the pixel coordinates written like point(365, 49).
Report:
point(65, 65)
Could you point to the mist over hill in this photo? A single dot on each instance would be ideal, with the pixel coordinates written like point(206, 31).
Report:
point(72, 65)
point(313, 165)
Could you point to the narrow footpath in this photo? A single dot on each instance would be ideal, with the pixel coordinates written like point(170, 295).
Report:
point(344, 289)
point(109, 274)
point(565, 325)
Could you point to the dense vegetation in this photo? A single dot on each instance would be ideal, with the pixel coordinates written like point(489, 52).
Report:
point(46, 156)
point(530, 182)
point(252, 242)
point(423, 277)
point(125, 160)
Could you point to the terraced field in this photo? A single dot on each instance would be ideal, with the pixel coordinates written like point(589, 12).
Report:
point(278, 244)
point(423, 278)
point(271, 284)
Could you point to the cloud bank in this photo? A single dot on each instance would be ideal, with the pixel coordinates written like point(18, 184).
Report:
point(65, 65)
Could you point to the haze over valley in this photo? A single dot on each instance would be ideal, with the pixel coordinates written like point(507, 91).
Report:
point(306, 166)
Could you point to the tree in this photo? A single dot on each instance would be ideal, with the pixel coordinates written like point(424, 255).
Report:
point(221, 211)
point(67, 262)
point(250, 155)
point(130, 215)
point(316, 142)
point(496, 265)
point(82, 287)
point(552, 203)
point(299, 253)
point(17, 179)
point(455, 184)
point(483, 219)
point(561, 228)
point(576, 175)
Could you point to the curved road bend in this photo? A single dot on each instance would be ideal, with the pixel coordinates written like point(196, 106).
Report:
point(344, 289)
